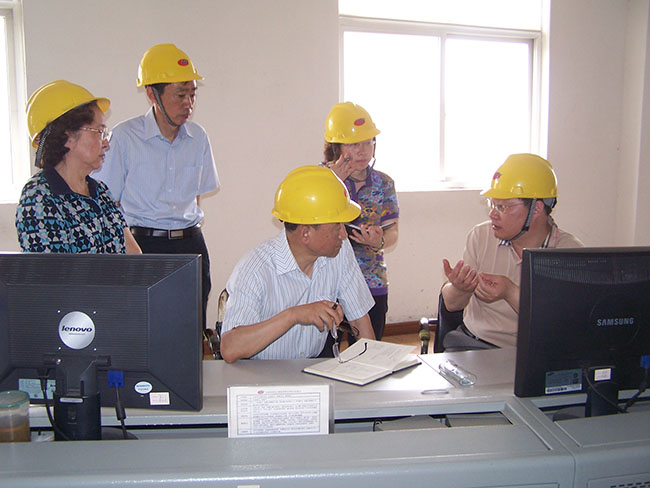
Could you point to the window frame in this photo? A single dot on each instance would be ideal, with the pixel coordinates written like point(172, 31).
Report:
point(535, 38)
point(12, 11)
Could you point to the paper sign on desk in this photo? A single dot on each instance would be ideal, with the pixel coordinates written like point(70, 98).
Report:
point(268, 411)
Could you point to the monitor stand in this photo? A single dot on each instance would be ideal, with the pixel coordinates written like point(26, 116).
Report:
point(77, 408)
point(602, 397)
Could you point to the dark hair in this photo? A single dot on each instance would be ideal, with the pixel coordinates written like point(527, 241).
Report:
point(53, 144)
point(159, 87)
point(332, 151)
point(529, 201)
point(289, 226)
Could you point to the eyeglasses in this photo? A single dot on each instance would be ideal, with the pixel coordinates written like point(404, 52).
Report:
point(361, 145)
point(335, 350)
point(500, 208)
point(103, 132)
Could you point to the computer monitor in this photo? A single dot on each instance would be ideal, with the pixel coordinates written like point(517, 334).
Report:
point(584, 323)
point(87, 319)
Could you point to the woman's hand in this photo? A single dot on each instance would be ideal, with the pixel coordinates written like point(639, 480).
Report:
point(342, 167)
point(369, 235)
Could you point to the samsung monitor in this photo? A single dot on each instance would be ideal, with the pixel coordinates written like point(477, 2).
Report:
point(584, 323)
point(89, 327)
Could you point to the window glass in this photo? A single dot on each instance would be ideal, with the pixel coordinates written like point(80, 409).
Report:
point(14, 142)
point(396, 78)
point(513, 14)
point(5, 111)
point(487, 107)
point(452, 101)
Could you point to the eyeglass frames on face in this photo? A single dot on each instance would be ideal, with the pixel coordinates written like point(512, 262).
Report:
point(336, 352)
point(500, 208)
point(361, 145)
point(103, 132)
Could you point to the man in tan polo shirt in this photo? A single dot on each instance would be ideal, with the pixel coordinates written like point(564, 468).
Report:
point(485, 283)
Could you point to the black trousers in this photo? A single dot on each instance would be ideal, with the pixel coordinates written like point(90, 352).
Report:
point(189, 245)
point(377, 316)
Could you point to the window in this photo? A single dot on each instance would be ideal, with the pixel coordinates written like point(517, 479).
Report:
point(14, 144)
point(452, 100)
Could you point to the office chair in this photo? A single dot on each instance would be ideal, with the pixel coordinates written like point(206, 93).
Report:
point(447, 322)
point(447, 337)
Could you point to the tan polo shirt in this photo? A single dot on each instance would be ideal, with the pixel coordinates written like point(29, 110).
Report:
point(497, 322)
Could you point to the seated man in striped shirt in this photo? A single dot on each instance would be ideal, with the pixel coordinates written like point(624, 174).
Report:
point(288, 292)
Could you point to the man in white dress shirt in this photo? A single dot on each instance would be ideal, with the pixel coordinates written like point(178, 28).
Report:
point(288, 292)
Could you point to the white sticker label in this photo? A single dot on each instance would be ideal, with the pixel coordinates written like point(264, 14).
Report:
point(143, 387)
point(604, 374)
point(159, 398)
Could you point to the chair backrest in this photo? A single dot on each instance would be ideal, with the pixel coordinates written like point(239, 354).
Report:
point(221, 310)
point(447, 321)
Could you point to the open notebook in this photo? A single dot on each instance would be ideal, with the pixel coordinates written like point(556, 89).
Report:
point(366, 361)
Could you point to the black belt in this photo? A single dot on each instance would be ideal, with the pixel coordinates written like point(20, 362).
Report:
point(168, 234)
point(463, 328)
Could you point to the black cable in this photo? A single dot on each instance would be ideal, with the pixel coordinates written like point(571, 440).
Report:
point(120, 413)
point(43, 378)
point(642, 387)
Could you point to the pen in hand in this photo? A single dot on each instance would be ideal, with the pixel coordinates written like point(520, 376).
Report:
point(334, 326)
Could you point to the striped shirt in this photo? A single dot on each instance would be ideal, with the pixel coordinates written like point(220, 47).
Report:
point(268, 280)
point(157, 181)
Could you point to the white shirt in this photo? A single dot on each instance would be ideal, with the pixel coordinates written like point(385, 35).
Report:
point(267, 280)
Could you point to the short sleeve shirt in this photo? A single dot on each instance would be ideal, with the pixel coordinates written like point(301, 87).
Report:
point(50, 217)
point(378, 201)
point(268, 280)
point(497, 322)
point(157, 181)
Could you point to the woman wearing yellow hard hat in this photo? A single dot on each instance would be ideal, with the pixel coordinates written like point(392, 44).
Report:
point(350, 137)
point(61, 208)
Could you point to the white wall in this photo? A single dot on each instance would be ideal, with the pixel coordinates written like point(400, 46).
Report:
point(270, 69)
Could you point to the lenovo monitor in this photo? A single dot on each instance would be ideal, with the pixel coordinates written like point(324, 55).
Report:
point(88, 327)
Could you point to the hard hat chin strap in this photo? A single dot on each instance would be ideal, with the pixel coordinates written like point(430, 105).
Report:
point(41, 145)
point(529, 219)
point(162, 107)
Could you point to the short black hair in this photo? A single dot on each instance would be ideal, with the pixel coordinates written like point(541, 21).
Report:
point(159, 87)
point(289, 226)
point(529, 201)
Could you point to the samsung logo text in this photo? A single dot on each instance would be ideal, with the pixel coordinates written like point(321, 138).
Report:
point(615, 321)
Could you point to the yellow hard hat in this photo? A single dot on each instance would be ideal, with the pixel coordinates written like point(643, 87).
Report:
point(165, 63)
point(314, 195)
point(54, 99)
point(523, 176)
point(348, 123)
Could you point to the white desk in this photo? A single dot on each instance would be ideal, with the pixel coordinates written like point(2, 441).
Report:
point(528, 449)
point(398, 394)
